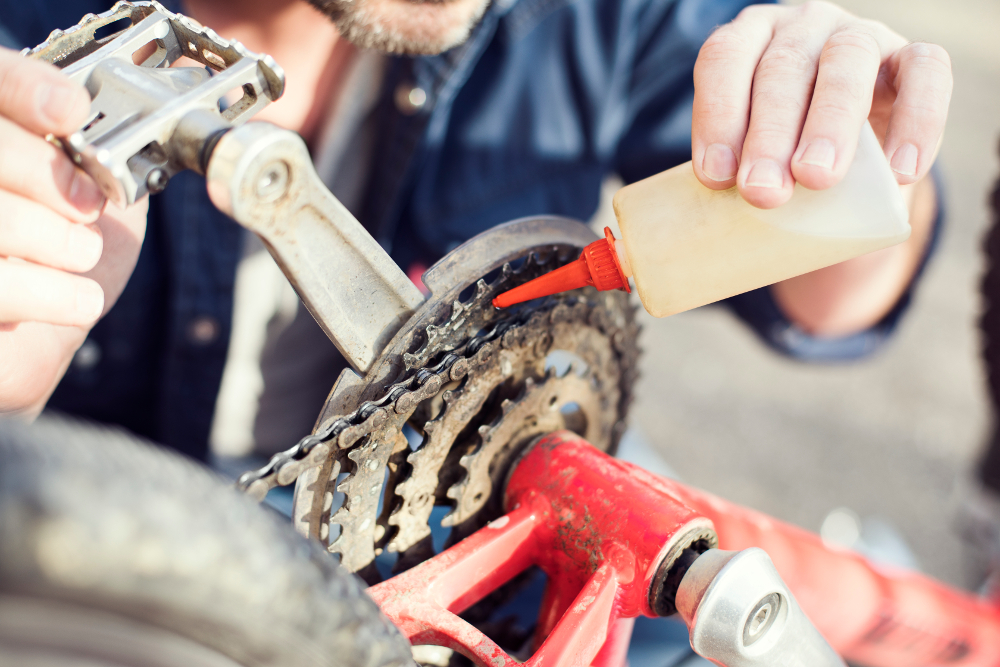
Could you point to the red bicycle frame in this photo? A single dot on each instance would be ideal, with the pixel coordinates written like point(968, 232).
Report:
point(600, 529)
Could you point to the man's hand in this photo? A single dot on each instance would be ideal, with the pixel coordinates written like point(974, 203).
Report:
point(51, 231)
point(781, 94)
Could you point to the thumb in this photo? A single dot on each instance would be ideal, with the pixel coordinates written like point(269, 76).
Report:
point(37, 96)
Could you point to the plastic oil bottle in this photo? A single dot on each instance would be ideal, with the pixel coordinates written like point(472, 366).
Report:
point(686, 245)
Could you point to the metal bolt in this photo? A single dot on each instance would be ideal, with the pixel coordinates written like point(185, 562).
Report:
point(761, 618)
point(156, 181)
point(273, 182)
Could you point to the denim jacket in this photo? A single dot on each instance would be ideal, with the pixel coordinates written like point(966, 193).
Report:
point(527, 117)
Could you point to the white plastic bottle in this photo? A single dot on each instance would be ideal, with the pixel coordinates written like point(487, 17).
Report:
point(686, 245)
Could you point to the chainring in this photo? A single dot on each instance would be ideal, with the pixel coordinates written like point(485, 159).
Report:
point(471, 385)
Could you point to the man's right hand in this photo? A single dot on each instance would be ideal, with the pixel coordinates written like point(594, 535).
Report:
point(53, 229)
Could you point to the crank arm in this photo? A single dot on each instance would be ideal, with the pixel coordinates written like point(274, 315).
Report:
point(741, 614)
point(262, 176)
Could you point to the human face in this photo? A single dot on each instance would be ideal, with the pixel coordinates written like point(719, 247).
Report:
point(414, 27)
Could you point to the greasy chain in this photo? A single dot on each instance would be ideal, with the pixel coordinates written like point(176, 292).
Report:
point(580, 318)
point(285, 467)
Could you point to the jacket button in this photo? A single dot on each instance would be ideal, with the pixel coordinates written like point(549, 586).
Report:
point(203, 330)
point(88, 356)
point(410, 99)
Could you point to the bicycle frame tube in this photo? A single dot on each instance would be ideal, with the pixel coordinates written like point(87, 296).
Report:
point(604, 530)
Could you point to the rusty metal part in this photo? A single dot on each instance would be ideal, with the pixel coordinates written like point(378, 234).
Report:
point(446, 383)
point(263, 177)
point(149, 120)
point(474, 433)
point(487, 394)
point(552, 240)
point(593, 392)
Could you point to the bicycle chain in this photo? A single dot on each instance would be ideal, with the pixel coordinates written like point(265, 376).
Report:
point(284, 468)
point(341, 444)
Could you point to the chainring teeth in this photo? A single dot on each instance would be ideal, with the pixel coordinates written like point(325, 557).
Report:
point(563, 319)
point(537, 405)
point(472, 340)
point(435, 339)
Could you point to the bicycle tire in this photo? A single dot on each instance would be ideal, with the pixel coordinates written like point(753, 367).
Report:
point(989, 328)
point(114, 551)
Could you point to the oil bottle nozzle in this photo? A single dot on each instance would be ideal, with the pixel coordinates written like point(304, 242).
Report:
point(598, 265)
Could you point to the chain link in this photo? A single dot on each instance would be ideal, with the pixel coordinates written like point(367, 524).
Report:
point(285, 467)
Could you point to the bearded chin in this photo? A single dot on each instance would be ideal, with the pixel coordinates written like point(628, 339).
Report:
point(411, 27)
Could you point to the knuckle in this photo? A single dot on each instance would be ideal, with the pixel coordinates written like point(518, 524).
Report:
point(853, 41)
point(788, 57)
point(875, 28)
point(925, 113)
point(771, 136)
point(723, 44)
point(845, 87)
point(776, 105)
point(723, 107)
point(832, 109)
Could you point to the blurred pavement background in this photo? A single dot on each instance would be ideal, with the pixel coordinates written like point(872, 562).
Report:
point(895, 436)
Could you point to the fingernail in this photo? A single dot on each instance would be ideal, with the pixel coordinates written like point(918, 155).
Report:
point(84, 193)
point(819, 153)
point(89, 301)
point(765, 174)
point(904, 160)
point(55, 101)
point(719, 163)
point(85, 245)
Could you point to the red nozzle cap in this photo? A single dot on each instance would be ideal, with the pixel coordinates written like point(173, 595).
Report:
point(598, 266)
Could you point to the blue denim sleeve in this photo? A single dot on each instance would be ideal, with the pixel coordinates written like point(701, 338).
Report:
point(664, 41)
point(761, 313)
point(7, 40)
point(27, 23)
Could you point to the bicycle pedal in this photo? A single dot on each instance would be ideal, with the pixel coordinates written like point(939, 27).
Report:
point(150, 120)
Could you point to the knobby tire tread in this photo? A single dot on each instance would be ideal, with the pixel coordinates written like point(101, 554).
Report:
point(91, 516)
